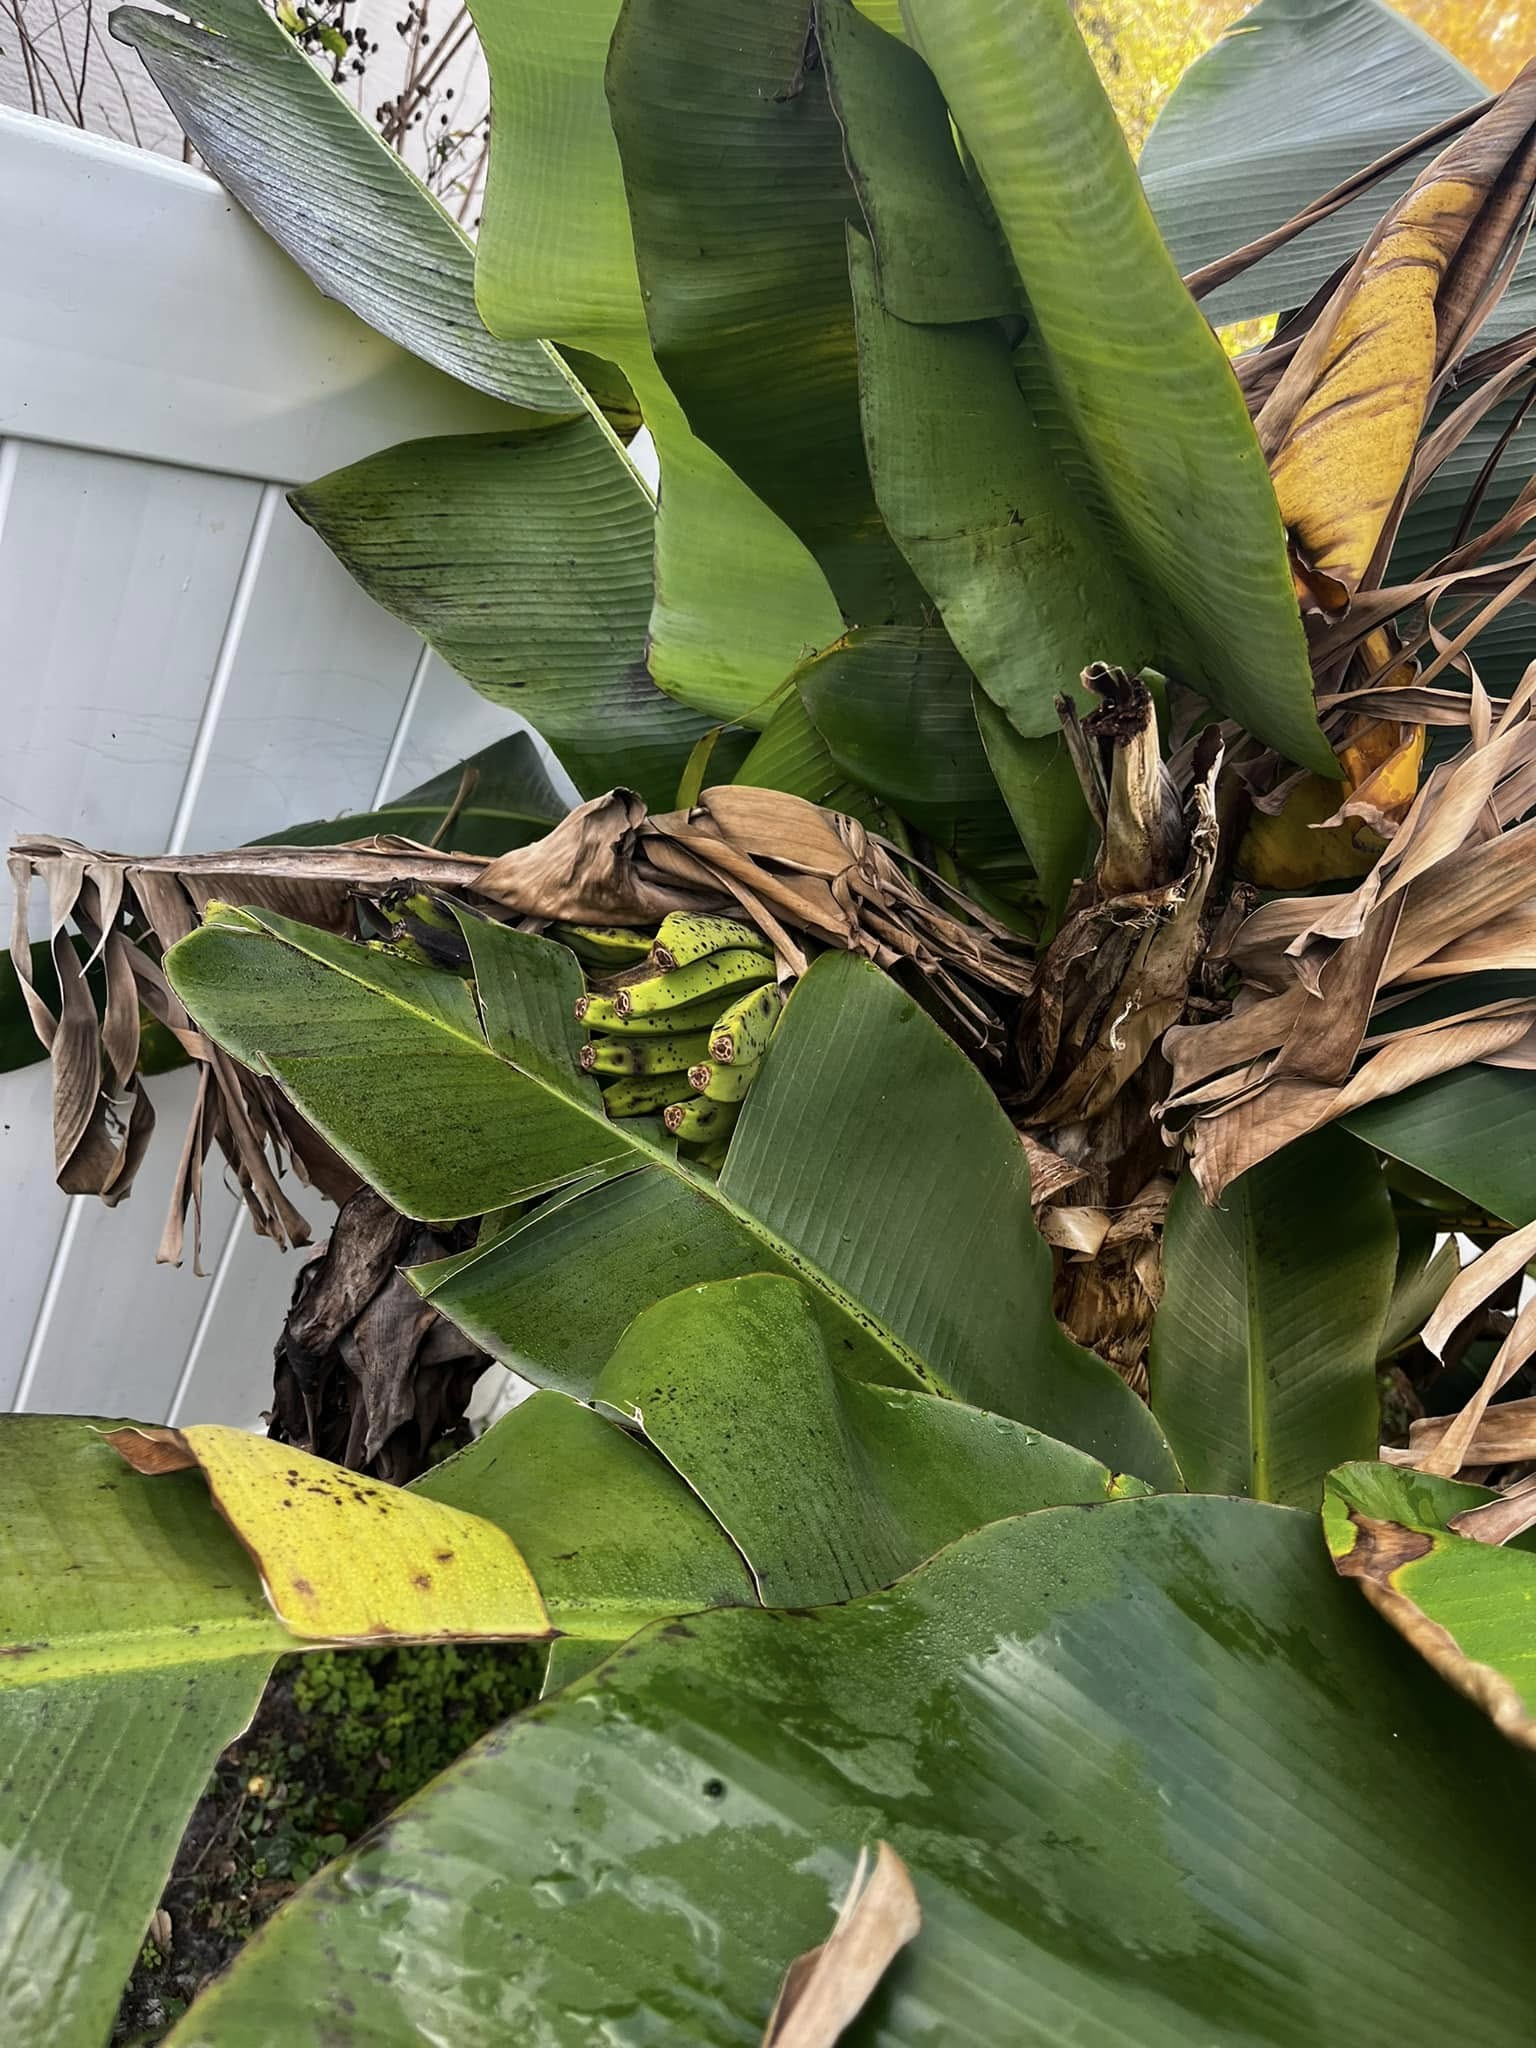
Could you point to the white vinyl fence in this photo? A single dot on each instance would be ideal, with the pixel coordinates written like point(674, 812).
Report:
point(182, 666)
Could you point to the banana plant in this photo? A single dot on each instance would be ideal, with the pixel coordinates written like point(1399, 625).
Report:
point(962, 1127)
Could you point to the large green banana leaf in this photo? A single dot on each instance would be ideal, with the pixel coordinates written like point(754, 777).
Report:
point(1157, 1777)
point(1265, 1342)
point(871, 1160)
point(738, 600)
point(134, 1645)
point(731, 153)
point(1143, 383)
point(828, 1487)
point(318, 177)
point(526, 562)
point(1295, 98)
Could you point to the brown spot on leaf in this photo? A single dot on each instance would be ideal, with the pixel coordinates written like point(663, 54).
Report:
point(1381, 1548)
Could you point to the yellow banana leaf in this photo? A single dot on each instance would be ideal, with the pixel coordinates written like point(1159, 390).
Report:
point(1341, 425)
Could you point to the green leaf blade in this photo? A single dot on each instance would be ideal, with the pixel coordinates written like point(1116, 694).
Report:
point(829, 1487)
point(1143, 381)
point(320, 179)
point(1264, 1345)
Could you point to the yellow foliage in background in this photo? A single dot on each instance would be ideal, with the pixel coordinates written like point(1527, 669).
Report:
point(1143, 47)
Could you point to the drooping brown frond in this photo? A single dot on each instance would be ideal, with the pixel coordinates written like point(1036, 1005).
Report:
point(806, 877)
point(1313, 1034)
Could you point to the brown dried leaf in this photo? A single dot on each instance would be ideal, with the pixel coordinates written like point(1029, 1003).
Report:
point(1505, 1434)
point(825, 1990)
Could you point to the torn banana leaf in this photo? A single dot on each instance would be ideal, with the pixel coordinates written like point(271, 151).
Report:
point(1467, 1604)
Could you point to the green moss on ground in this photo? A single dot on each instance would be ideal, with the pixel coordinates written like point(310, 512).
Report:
point(340, 1739)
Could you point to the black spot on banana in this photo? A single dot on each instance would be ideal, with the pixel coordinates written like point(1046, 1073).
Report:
point(722, 1084)
point(601, 1013)
point(701, 1121)
point(717, 977)
point(640, 1094)
point(742, 1032)
point(685, 937)
point(671, 1053)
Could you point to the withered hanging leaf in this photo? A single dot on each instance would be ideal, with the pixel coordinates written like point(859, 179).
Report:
point(367, 1373)
point(825, 1990)
point(1341, 425)
point(805, 876)
point(1314, 1035)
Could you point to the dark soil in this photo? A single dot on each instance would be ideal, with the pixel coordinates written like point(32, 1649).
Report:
point(338, 1741)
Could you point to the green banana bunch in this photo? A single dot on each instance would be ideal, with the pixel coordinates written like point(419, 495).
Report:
point(679, 1023)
